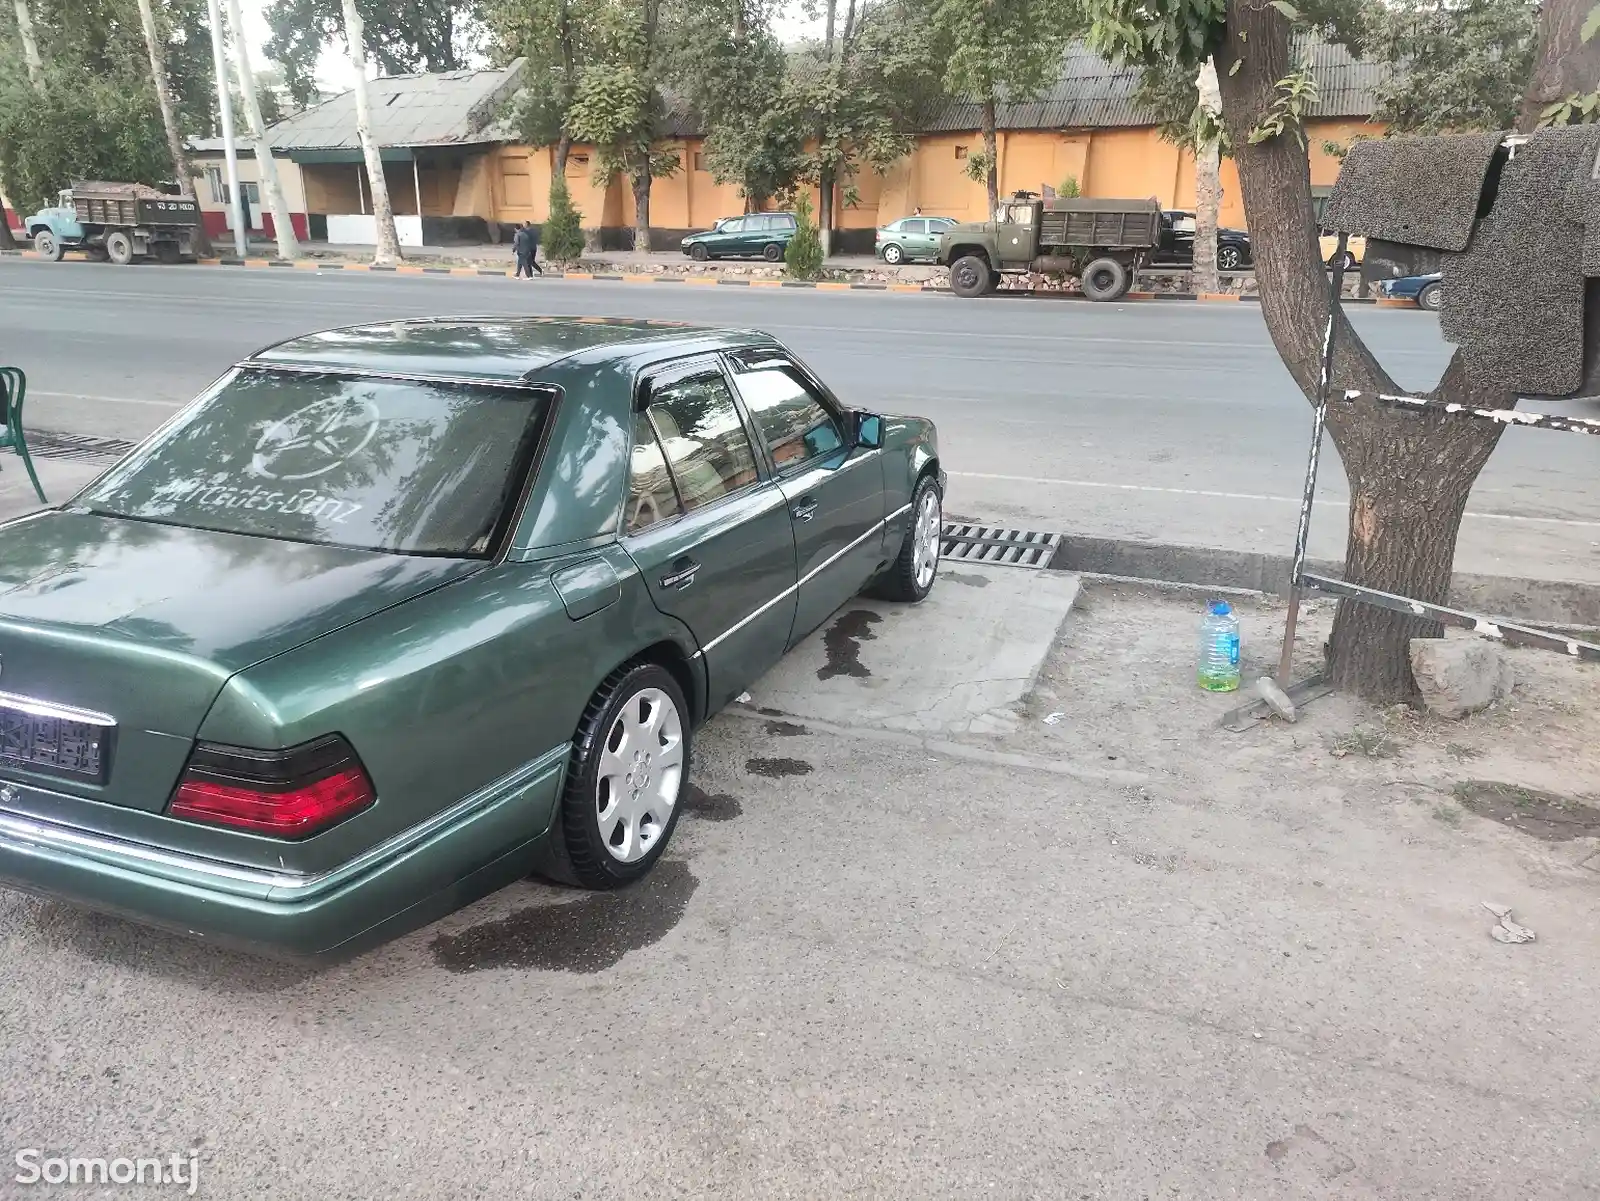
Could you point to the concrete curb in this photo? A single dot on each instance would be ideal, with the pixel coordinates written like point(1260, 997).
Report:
point(1564, 603)
point(713, 280)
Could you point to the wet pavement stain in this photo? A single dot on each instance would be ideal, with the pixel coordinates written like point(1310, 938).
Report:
point(971, 581)
point(710, 806)
point(585, 936)
point(786, 729)
point(843, 644)
point(773, 768)
point(1547, 816)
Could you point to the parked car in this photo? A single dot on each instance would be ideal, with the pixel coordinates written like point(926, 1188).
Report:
point(393, 614)
point(754, 235)
point(911, 238)
point(1355, 250)
point(1424, 289)
point(1177, 242)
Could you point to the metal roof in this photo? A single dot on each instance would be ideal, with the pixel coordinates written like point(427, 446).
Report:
point(1091, 93)
point(448, 108)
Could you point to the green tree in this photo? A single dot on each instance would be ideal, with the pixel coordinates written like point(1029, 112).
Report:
point(554, 37)
point(617, 104)
point(730, 68)
point(855, 95)
point(402, 36)
point(1463, 65)
point(1409, 476)
point(1000, 52)
point(803, 258)
point(562, 233)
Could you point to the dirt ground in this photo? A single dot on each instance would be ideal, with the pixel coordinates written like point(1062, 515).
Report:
point(1522, 776)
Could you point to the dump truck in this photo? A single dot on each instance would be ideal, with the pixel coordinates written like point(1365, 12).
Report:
point(1102, 242)
point(117, 221)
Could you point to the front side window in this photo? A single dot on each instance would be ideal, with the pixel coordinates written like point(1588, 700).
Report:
point(793, 422)
point(733, 225)
point(703, 439)
point(415, 468)
point(651, 496)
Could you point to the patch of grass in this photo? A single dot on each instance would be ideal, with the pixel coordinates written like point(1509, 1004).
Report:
point(1461, 751)
point(1448, 814)
point(1370, 744)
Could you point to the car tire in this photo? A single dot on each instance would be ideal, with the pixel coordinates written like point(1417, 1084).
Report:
point(168, 253)
point(1105, 279)
point(47, 245)
point(119, 248)
point(912, 574)
point(969, 276)
point(772, 252)
point(699, 253)
point(1229, 258)
point(614, 829)
point(893, 255)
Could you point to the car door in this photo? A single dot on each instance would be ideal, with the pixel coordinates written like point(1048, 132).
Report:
point(834, 490)
point(709, 529)
point(914, 237)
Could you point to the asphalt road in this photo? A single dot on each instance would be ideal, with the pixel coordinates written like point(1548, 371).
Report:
point(1164, 423)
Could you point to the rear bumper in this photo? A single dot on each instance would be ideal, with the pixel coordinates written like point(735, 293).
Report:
point(470, 849)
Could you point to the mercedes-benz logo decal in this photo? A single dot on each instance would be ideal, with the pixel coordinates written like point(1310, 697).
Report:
point(312, 441)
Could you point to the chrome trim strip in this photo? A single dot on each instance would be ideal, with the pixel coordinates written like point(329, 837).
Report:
point(285, 885)
point(38, 708)
point(712, 645)
point(875, 528)
point(520, 385)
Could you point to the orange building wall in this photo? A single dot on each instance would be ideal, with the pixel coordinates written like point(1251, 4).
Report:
point(1133, 163)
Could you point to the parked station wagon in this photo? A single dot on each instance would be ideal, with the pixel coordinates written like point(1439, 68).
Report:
point(394, 614)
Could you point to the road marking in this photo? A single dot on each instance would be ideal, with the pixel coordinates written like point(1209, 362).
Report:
point(110, 400)
point(1251, 496)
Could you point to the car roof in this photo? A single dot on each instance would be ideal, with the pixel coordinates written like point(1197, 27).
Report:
point(494, 348)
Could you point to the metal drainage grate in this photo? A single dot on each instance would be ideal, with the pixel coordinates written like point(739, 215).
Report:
point(49, 444)
point(994, 544)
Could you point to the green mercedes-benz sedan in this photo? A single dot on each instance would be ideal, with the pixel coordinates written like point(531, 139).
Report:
point(395, 614)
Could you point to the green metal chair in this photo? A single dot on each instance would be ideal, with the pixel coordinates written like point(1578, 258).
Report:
point(14, 386)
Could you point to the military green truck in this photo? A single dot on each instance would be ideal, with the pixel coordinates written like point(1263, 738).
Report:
point(1102, 242)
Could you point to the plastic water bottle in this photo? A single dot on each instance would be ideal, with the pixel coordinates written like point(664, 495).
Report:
point(1219, 648)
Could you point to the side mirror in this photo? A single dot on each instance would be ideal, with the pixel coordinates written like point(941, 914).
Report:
point(866, 430)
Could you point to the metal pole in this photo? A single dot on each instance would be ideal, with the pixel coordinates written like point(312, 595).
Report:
point(219, 61)
point(1319, 419)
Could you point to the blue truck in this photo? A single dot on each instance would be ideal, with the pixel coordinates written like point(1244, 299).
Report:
point(115, 221)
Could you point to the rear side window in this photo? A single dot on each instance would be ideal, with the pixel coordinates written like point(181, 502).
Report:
point(793, 422)
point(703, 439)
point(651, 496)
point(377, 464)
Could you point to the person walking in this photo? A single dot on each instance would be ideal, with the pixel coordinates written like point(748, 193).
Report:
point(533, 250)
point(519, 247)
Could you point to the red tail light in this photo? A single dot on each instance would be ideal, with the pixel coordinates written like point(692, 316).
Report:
point(291, 793)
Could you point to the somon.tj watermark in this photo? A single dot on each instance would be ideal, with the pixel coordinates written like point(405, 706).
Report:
point(35, 1166)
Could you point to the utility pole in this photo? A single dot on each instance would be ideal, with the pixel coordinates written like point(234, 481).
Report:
point(219, 61)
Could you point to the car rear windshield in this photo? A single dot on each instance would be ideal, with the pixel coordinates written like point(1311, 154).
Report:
point(379, 464)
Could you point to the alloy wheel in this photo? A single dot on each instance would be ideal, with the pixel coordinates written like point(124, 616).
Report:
point(925, 539)
point(641, 774)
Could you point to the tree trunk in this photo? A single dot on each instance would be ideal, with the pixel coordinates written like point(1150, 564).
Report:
point(169, 118)
point(7, 242)
point(825, 189)
point(1409, 475)
point(641, 207)
point(1564, 63)
point(30, 47)
point(991, 156)
point(282, 228)
point(388, 248)
point(1207, 187)
point(563, 151)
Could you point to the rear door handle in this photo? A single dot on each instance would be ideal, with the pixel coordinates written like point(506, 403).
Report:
point(681, 574)
point(805, 509)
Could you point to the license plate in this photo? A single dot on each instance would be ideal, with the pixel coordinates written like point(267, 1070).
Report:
point(38, 737)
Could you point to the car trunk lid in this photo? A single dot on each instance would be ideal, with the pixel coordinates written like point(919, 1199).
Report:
point(117, 635)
